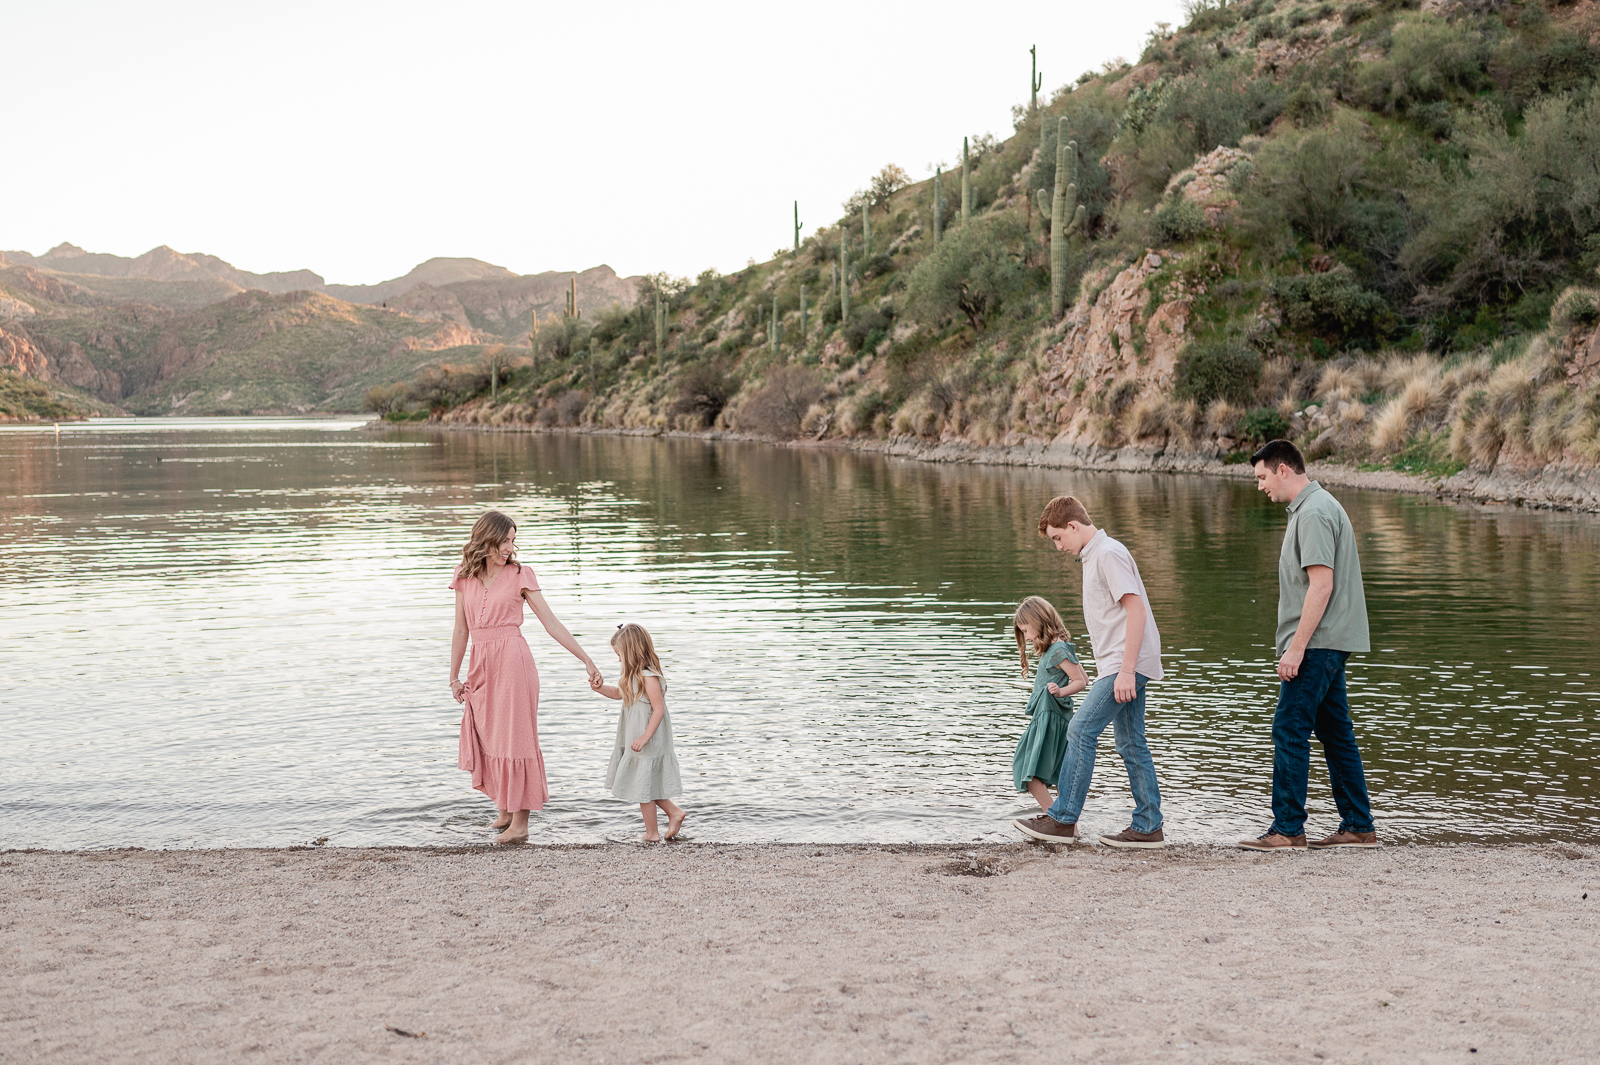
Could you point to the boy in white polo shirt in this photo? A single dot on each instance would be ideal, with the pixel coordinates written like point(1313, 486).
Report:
point(1127, 655)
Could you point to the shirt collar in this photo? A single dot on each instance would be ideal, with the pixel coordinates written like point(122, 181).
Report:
point(1094, 544)
point(1305, 493)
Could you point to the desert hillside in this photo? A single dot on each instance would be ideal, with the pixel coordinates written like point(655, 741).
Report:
point(1372, 226)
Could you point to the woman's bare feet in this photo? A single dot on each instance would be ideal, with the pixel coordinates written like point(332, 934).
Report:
point(649, 839)
point(675, 822)
point(517, 831)
point(503, 820)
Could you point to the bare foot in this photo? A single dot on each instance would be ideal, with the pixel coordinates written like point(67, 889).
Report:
point(675, 823)
point(513, 835)
point(503, 820)
point(649, 839)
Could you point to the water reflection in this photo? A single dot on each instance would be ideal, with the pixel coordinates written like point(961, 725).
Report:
point(233, 633)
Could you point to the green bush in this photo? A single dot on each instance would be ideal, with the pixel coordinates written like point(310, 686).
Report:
point(863, 325)
point(973, 272)
point(1574, 307)
point(1429, 59)
point(1177, 221)
point(1333, 306)
point(1214, 370)
point(1263, 424)
point(1309, 182)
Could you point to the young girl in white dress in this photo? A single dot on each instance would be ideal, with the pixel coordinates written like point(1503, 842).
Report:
point(644, 767)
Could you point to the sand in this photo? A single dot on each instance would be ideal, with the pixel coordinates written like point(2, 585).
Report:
point(700, 952)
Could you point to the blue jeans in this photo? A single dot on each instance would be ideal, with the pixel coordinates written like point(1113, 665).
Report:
point(1315, 701)
point(1100, 708)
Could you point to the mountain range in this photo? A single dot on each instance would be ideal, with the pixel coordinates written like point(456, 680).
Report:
point(171, 332)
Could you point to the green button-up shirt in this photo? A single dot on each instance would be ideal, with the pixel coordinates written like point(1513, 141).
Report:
point(1320, 534)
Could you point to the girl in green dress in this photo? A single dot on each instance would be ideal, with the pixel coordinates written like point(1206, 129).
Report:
point(1039, 752)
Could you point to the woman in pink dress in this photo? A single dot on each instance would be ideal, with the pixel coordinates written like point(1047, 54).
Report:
point(499, 726)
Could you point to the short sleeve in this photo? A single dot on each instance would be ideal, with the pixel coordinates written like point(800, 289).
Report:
point(455, 581)
point(526, 581)
point(1120, 574)
point(1056, 654)
point(1318, 542)
point(1068, 653)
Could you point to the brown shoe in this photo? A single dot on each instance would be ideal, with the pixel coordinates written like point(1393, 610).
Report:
point(1275, 842)
point(1129, 838)
point(1342, 838)
point(1046, 828)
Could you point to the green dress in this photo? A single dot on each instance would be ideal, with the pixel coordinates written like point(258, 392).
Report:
point(1044, 741)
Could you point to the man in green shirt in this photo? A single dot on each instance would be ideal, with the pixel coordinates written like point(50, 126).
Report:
point(1322, 620)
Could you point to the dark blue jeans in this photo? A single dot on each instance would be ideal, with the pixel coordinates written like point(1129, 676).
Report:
point(1315, 702)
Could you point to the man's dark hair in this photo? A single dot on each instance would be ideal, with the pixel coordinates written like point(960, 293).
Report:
point(1277, 453)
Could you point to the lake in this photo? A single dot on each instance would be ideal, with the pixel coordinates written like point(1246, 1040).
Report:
point(236, 632)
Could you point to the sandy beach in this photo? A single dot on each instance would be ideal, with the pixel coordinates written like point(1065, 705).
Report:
point(797, 953)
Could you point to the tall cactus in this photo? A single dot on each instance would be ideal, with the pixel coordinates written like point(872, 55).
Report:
point(1035, 79)
point(772, 333)
point(572, 300)
point(938, 207)
point(661, 327)
point(866, 232)
point(1066, 217)
point(966, 186)
point(797, 227)
point(844, 274)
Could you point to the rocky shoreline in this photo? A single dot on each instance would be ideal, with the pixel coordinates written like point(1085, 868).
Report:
point(1557, 486)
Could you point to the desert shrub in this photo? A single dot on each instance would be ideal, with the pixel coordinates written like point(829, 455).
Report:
point(1574, 307)
point(1217, 370)
point(704, 389)
point(1429, 59)
point(1263, 424)
point(1177, 221)
point(864, 325)
point(386, 398)
point(1512, 216)
point(1308, 182)
point(1562, 62)
point(438, 387)
point(561, 340)
point(876, 266)
point(973, 272)
point(1166, 125)
point(1334, 307)
point(779, 405)
point(1307, 106)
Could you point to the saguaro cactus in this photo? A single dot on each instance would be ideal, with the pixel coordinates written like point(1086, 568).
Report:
point(772, 333)
point(966, 186)
point(572, 300)
point(661, 327)
point(844, 274)
point(866, 231)
point(938, 207)
point(797, 227)
point(1066, 216)
point(1035, 79)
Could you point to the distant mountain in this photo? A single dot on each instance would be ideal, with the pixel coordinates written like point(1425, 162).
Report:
point(168, 333)
point(162, 264)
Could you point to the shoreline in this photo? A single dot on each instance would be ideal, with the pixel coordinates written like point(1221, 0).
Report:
point(803, 953)
point(1552, 487)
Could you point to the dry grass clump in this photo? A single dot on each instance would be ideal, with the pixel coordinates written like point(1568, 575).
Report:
point(1149, 418)
point(919, 417)
point(1222, 418)
point(1422, 393)
point(1505, 409)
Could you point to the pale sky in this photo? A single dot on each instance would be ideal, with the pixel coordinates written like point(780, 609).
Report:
point(358, 139)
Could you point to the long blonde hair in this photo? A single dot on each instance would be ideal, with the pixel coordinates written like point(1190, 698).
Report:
point(488, 533)
point(638, 653)
point(1038, 612)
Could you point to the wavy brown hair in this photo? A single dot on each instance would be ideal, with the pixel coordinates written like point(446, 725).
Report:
point(488, 533)
point(1037, 611)
point(638, 653)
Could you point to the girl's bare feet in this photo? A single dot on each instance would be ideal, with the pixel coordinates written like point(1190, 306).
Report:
point(675, 822)
point(517, 831)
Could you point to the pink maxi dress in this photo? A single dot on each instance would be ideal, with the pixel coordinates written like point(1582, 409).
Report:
point(499, 722)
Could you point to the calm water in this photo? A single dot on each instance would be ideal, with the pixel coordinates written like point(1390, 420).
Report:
point(236, 632)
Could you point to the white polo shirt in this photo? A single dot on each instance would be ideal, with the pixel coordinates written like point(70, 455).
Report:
point(1109, 573)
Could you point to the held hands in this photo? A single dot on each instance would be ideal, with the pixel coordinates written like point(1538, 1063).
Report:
point(596, 681)
point(1289, 664)
point(1125, 689)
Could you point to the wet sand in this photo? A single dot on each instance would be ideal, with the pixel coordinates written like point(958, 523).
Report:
point(791, 953)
